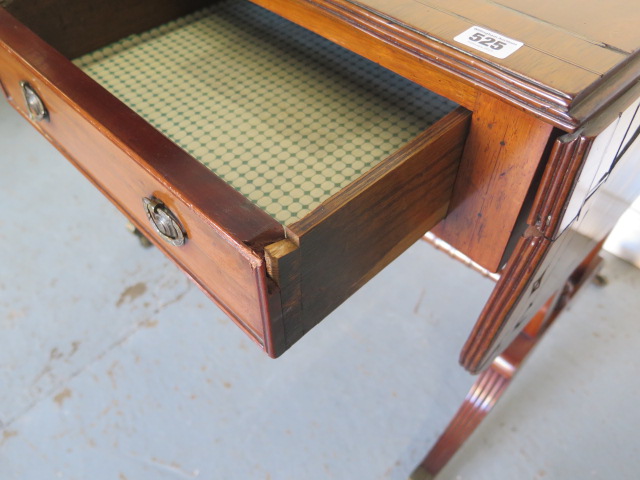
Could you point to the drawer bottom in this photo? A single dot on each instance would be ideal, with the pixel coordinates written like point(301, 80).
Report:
point(284, 116)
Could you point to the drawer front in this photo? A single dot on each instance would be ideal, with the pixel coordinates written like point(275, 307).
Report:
point(276, 284)
point(128, 160)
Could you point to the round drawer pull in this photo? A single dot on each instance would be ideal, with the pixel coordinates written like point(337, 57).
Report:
point(35, 105)
point(164, 221)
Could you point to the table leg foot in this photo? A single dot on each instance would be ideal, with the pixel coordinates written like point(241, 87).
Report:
point(420, 474)
point(480, 400)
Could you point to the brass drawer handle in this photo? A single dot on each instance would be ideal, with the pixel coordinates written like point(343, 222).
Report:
point(35, 105)
point(164, 221)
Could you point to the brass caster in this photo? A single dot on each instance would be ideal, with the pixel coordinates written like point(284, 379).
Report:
point(421, 474)
point(600, 280)
point(144, 241)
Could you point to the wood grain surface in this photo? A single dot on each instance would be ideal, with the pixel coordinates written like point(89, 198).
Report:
point(546, 254)
point(356, 29)
point(501, 156)
point(552, 53)
point(76, 27)
point(610, 25)
point(127, 160)
point(568, 49)
point(231, 243)
point(493, 382)
point(360, 230)
point(415, 39)
point(496, 326)
point(567, 75)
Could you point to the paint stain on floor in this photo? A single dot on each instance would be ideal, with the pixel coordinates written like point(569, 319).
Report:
point(6, 435)
point(62, 396)
point(131, 293)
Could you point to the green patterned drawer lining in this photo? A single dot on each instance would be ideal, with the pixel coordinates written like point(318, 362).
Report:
point(284, 116)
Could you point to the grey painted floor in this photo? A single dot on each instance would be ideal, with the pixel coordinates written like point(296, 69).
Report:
point(114, 366)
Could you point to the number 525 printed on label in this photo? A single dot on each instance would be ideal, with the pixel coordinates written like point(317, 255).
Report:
point(486, 41)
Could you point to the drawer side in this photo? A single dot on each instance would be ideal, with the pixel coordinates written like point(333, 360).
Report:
point(360, 230)
point(75, 27)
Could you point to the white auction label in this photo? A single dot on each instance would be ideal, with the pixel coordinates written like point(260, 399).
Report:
point(486, 41)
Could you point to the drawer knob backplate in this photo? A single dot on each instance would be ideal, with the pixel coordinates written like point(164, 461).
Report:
point(35, 105)
point(164, 221)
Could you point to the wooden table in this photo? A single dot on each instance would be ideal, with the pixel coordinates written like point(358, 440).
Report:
point(540, 173)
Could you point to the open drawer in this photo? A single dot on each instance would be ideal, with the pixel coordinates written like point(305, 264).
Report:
point(278, 170)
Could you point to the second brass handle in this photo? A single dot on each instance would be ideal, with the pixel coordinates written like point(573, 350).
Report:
point(164, 222)
point(35, 106)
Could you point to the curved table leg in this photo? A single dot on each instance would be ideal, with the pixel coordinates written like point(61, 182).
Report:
point(483, 395)
point(493, 382)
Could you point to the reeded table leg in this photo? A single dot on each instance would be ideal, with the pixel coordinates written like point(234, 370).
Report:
point(493, 382)
point(483, 395)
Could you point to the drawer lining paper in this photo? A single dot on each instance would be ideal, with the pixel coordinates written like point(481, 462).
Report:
point(284, 116)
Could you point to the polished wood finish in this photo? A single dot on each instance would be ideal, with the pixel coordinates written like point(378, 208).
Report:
point(523, 196)
point(376, 39)
point(569, 69)
point(489, 338)
point(415, 39)
point(498, 165)
point(586, 20)
point(567, 59)
point(552, 54)
point(283, 260)
point(478, 403)
point(127, 159)
point(554, 244)
point(275, 282)
point(362, 228)
point(504, 153)
point(76, 27)
point(494, 381)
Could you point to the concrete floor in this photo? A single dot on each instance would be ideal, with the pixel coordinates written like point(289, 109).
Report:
point(114, 366)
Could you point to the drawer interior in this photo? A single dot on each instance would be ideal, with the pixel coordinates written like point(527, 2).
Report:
point(284, 116)
point(312, 167)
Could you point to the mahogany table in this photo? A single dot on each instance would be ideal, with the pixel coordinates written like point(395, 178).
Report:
point(507, 129)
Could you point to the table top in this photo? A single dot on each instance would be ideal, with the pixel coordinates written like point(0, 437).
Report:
point(570, 50)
